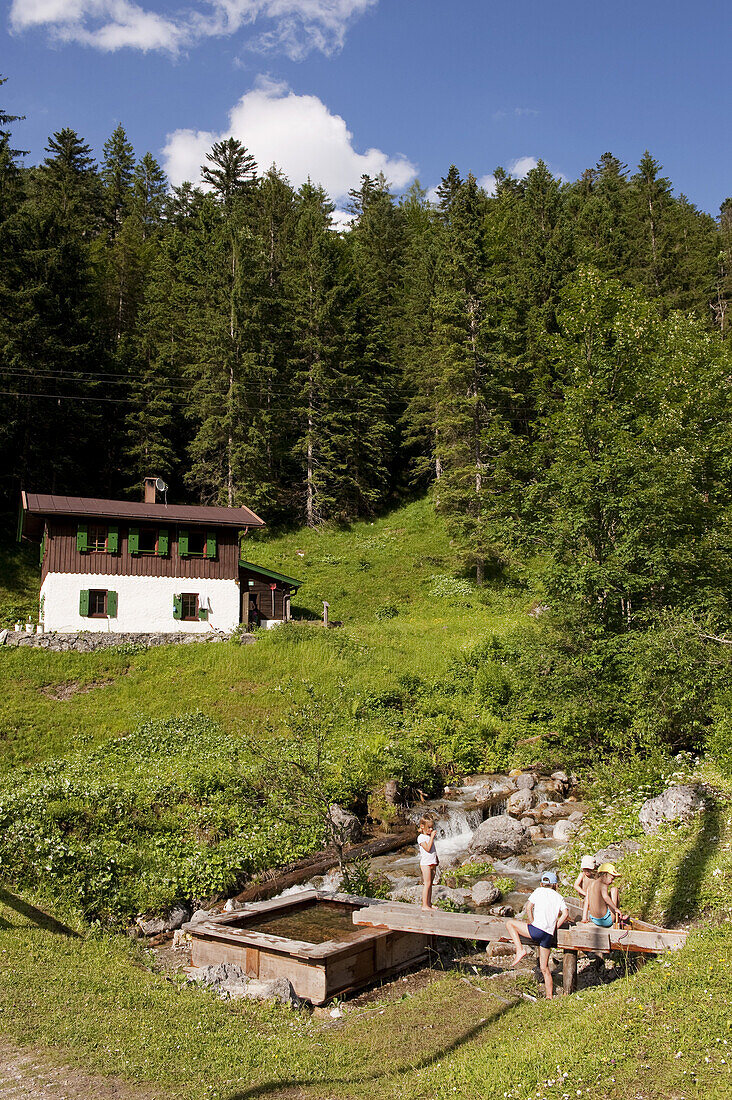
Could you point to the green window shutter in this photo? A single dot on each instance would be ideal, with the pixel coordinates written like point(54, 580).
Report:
point(134, 540)
point(43, 547)
point(163, 542)
point(210, 544)
point(112, 605)
point(178, 607)
point(113, 540)
point(183, 543)
point(84, 601)
point(203, 614)
point(82, 538)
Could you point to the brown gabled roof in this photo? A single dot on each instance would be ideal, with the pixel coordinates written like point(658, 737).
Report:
point(46, 504)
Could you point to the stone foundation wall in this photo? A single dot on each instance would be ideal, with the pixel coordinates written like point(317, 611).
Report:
point(87, 643)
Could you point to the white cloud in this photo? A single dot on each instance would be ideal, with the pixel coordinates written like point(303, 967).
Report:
point(296, 132)
point(488, 183)
point(522, 166)
point(294, 26)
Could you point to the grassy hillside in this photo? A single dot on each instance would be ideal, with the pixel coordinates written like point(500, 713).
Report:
point(391, 583)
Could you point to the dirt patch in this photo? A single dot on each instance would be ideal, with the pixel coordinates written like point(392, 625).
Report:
point(29, 1074)
point(63, 692)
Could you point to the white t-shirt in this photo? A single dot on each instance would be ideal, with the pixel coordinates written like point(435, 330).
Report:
point(548, 904)
point(430, 855)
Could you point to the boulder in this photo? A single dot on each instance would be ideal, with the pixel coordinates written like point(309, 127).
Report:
point(525, 782)
point(499, 836)
point(489, 793)
point(577, 816)
point(536, 832)
point(614, 852)
point(154, 926)
point(272, 989)
point(485, 893)
point(563, 830)
point(561, 777)
point(346, 826)
point(413, 895)
point(547, 788)
point(549, 811)
point(229, 980)
point(678, 803)
point(199, 915)
point(520, 802)
point(527, 821)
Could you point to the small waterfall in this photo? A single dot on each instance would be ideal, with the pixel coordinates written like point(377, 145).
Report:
point(456, 822)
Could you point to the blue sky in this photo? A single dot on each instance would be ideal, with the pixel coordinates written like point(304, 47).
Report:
point(333, 88)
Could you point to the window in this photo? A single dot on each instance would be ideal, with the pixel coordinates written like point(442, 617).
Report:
point(98, 603)
point(147, 542)
point(197, 543)
point(96, 539)
point(189, 607)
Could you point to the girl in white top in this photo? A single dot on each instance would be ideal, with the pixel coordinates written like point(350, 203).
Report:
point(428, 860)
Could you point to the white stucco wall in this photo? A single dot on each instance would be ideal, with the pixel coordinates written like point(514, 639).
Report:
point(144, 604)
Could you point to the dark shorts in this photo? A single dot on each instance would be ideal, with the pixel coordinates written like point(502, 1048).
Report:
point(542, 938)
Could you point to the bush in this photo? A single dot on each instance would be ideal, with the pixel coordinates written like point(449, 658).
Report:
point(388, 611)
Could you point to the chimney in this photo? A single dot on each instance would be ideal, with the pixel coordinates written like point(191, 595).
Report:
point(150, 490)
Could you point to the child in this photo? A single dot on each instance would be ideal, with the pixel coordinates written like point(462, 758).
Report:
point(588, 868)
point(547, 911)
point(428, 860)
point(601, 900)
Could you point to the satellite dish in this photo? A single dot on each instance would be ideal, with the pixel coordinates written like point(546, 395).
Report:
point(160, 485)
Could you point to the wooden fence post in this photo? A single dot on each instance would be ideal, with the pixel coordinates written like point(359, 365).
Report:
point(569, 971)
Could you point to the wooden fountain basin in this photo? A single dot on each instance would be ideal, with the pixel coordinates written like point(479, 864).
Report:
point(309, 938)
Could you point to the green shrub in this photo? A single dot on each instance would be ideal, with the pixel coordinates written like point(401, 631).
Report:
point(388, 611)
point(358, 879)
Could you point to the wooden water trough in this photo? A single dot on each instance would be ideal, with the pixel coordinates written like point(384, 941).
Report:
point(640, 938)
point(309, 938)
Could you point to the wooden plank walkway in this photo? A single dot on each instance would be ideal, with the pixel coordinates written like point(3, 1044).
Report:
point(401, 917)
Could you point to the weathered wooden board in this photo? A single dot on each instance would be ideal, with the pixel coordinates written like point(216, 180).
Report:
point(470, 926)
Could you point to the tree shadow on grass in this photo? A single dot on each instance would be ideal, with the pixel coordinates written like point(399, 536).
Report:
point(271, 1088)
point(684, 901)
point(39, 918)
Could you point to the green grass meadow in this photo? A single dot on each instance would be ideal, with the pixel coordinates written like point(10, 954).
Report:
point(151, 764)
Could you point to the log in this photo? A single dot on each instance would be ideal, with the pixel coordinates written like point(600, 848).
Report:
point(325, 861)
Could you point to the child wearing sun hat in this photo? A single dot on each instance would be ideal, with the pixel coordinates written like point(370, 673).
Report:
point(601, 900)
point(588, 867)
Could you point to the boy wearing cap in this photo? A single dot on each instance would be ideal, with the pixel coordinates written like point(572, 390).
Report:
point(601, 900)
point(546, 911)
point(588, 868)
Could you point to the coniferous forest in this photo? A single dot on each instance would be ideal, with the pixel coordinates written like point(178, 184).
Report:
point(550, 360)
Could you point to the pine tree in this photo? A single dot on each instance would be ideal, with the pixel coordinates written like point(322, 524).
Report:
point(316, 294)
point(117, 174)
point(375, 244)
point(654, 234)
point(149, 195)
point(460, 367)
